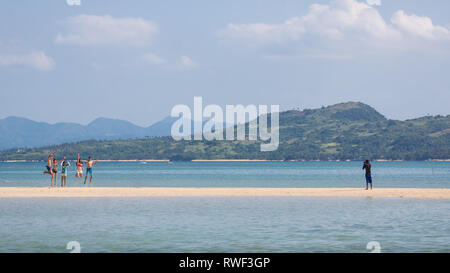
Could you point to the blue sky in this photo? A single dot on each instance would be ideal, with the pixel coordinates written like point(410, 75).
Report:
point(135, 60)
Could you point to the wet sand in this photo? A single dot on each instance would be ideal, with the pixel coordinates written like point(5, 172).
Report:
point(36, 192)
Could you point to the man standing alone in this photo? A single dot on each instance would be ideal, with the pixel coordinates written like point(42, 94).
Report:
point(367, 167)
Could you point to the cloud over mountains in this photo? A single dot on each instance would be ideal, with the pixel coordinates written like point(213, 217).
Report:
point(343, 24)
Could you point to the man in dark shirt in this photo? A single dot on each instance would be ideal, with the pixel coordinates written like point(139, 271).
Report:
point(367, 167)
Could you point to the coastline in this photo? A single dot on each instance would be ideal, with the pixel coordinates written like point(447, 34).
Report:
point(46, 192)
point(234, 160)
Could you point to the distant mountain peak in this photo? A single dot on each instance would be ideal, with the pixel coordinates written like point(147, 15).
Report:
point(348, 105)
point(107, 120)
point(351, 111)
point(16, 119)
point(354, 111)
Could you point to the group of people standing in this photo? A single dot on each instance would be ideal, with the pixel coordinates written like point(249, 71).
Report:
point(53, 165)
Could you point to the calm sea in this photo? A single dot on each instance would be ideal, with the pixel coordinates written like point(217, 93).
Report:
point(239, 174)
point(229, 224)
point(237, 224)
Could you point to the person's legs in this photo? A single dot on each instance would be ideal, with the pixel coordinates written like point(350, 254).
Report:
point(49, 171)
point(88, 172)
point(62, 179)
point(368, 180)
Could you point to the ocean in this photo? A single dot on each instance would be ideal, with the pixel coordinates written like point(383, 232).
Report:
point(239, 174)
point(229, 224)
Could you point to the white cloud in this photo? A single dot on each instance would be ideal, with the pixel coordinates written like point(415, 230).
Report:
point(342, 24)
point(153, 59)
point(35, 59)
point(374, 2)
point(106, 30)
point(419, 26)
point(184, 62)
point(335, 21)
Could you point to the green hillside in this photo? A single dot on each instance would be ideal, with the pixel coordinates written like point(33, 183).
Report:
point(343, 131)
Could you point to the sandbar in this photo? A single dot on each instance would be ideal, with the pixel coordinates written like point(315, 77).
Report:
point(37, 192)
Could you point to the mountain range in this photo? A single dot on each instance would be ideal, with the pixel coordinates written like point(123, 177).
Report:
point(18, 132)
point(345, 131)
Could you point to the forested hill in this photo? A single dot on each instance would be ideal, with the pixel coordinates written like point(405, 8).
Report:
point(343, 131)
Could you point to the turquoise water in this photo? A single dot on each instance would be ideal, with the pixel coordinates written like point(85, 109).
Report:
point(237, 224)
point(233, 224)
point(240, 174)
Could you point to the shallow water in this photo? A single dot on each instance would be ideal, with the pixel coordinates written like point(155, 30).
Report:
point(239, 174)
point(237, 224)
point(233, 224)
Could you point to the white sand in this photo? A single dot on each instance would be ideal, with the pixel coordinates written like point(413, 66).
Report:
point(11, 192)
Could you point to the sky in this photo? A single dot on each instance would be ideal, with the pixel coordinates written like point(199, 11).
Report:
point(135, 60)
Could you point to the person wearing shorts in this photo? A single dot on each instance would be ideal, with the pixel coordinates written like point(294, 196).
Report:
point(367, 166)
point(49, 167)
point(79, 170)
point(89, 164)
point(54, 171)
point(64, 169)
